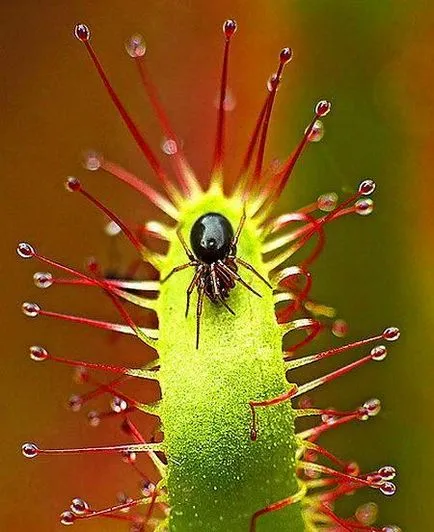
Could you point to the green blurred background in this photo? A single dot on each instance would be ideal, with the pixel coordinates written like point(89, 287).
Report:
point(373, 58)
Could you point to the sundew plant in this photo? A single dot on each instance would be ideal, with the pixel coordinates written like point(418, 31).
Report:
point(234, 287)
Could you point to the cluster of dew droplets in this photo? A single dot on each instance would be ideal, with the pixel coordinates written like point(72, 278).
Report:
point(78, 508)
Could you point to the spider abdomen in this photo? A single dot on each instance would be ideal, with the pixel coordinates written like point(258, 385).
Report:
point(211, 237)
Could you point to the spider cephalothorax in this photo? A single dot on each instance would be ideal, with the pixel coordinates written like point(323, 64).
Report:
point(215, 258)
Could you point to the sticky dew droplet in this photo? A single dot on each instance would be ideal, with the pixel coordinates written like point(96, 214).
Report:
point(118, 405)
point(72, 184)
point(30, 309)
point(388, 489)
point(135, 46)
point(129, 457)
point(67, 518)
point(391, 334)
point(379, 353)
point(322, 108)
point(92, 161)
point(169, 147)
point(75, 402)
point(317, 132)
point(30, 450)
point(286, 55)
point(82, 32)
point(387, 472)
point(327, 202)
point(112, 228)
point(38, 353)
point(79, 506)
point(366, 514)
point(229, 28)
point(364, 207)
point(367, 187)
point(25, 250)
point(93, 418)
point(372, 407)
point(43, 279)
point(340, 328)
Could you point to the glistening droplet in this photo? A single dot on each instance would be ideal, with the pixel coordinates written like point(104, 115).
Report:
point(30, 309)
point(135, 46)
point(25, 250)
point(43, 279)
point(30, 450)
point(38, 353)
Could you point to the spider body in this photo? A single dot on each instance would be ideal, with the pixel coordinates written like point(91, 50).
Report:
point(214, 256)
point(211, 237)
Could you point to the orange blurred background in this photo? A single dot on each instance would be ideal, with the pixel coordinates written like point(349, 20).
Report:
point(373, 59)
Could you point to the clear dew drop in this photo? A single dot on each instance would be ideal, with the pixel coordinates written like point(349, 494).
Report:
point(169, 146)
point(25, 250)
point(92, 161)
point(367, 187)
point(229, 28)
point(317, 132)
point(388, 488)
point(79, 506)
point(340, 328)
point(387, 472)
point(93, 418)
point(82, 32)
point(43, 279)
point(147, 488)
point(286, 55)
point(372, 407)
point(30, 309)
point(72, 184)
point(75, 402)
point(391, 334)
point(379, 353)
point(135, 46)
point(129, 457)
point(364, 207)
point(112, 228)
point(67, 518)
point(367, 514)
point(30, 450)
point(38, 353)
point(327, 202)
point(322, 108)
point(118, 405)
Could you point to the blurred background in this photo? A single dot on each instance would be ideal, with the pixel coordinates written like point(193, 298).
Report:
point(373, 59)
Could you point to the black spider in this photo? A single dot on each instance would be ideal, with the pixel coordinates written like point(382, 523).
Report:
point(214, 257)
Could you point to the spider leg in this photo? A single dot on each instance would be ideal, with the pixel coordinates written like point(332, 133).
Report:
point(191, 286)
point(178, 269)
point(199, 308)
point(187, 250)
point(216, 289)
point(240, 227)
point(252, 269)
point(236, 277)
